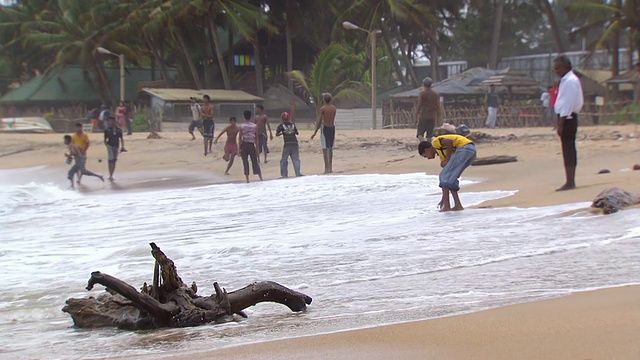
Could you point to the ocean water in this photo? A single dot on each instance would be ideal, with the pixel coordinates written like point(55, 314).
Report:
point(369, 249)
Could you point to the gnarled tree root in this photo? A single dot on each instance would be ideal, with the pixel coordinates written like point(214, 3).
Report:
point(168, 302)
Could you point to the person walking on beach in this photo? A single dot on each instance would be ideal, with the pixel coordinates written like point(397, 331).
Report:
point(262, 121)
point(79, 166)
point(103, 116)
point(208, 126)
point(456, 153)
point(114, 141)
point(247, 140)
point(81, 139)
point(196, 114)
point(568, 105)
point(291, 148)
point(328, 132)
point(427, 111)
point(491, 100)
point(121, 115)
point(231, 146)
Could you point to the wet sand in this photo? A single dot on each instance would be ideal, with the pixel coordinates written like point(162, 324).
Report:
point(602, 324)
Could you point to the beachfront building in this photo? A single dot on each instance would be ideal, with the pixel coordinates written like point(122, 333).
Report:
point(172, 105)
point(463, 99)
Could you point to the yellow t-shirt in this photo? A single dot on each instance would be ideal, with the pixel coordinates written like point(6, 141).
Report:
point(82, 141)
point(458, 142)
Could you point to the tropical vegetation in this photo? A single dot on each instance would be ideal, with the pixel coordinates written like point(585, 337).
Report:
point(298, 43)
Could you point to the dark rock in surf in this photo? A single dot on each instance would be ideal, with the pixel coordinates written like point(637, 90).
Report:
point(614, 199)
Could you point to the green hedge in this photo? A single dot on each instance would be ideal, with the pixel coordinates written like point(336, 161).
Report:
point(140, 123)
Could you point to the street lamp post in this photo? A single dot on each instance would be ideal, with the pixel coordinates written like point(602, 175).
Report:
point(374, 71)
point(121, 61)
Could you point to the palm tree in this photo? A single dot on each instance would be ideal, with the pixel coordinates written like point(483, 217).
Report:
point(544, 4)
point(69, 32)
point(328, 75)
point(615, 17)
point(495, 38)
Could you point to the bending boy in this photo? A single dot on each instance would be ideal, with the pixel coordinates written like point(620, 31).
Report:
point(456, 153)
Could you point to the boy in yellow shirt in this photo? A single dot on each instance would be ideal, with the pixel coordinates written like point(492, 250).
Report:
point(456, 153)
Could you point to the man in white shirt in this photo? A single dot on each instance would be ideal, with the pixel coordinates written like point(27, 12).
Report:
point(196, 122)
point(568, 105)
point(545, 99)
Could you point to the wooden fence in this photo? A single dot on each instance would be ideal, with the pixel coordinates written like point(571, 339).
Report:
point(510, 116)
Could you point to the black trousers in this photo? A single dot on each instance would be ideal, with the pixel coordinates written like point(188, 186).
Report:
point(568, 138)
point(248, 150)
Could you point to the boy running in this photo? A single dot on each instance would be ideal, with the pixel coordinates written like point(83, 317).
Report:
point(230, 147)
point(247, 135)
point(78, 167)
point(262, 121)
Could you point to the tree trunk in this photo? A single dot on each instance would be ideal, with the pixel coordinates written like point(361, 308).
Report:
point(168, 302)
point(552, 24)
point(394, 56)
point(289, 12)
point(187, 55)
point(258, 69)
point(231, 64)
point(435, 62)
point(407, 63)
point(615, 44)
point(495, 38)
point(218, 51)
point(159, 60)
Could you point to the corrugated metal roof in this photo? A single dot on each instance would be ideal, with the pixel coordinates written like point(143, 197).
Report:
point(72, 86)
point(216, 95)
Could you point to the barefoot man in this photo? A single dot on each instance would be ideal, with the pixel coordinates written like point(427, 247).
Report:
point(208, 126)
point(114, 141)
point(262, 121)
point(427, 111)
point(328, 132)
point(78, 168)
point(196, 123)
point(567, 106)
point(456, 153)
point(231, 146)
point(248, 146)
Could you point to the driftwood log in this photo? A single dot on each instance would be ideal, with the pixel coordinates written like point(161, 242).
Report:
point(490, 160)
point(614, 199)
point(168, 302)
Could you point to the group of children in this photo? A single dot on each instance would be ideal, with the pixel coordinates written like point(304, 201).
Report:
point(250, 138)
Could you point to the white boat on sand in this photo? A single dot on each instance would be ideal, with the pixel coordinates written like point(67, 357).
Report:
point(33, 124)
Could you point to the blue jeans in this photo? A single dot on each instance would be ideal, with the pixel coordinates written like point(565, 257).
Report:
point(293, 151)
point(460, 160)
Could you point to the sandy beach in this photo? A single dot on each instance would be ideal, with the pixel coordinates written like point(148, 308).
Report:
point(600, 324)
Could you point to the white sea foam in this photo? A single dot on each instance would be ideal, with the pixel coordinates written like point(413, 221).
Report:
point(359, 245)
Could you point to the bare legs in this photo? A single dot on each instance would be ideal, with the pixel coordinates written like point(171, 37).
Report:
point(231, 157)
point(327, 155)
point(445, 203)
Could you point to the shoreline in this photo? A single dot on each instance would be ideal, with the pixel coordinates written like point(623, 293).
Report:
point(571, 326)
point(535, 176)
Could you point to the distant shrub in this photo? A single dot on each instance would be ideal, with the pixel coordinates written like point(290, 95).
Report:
point(141, 123)
point(628, 114)
point(48, 116)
